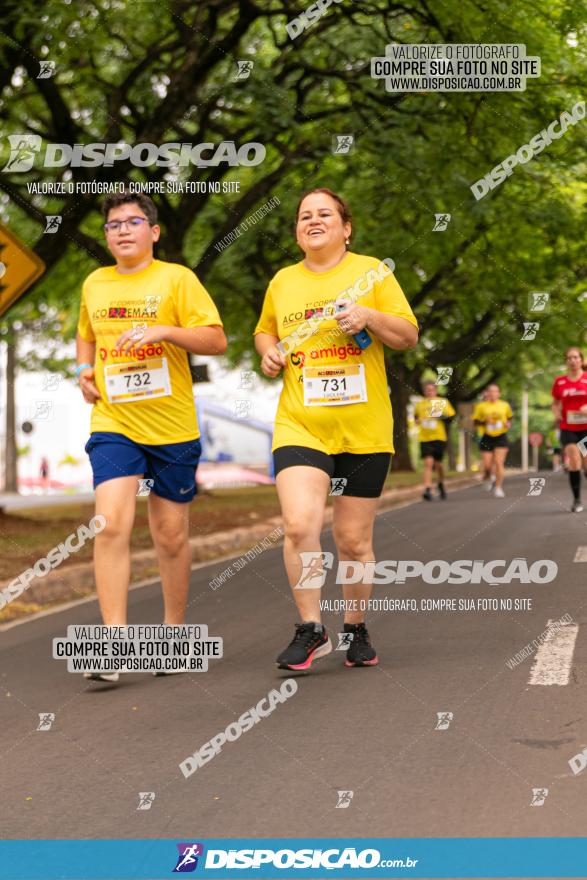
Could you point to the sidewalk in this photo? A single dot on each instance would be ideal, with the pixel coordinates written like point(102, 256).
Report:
point(15, 501)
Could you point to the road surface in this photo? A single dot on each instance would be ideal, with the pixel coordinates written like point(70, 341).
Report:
point(372, 732)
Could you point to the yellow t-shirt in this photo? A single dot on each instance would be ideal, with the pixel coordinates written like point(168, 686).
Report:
point(494, 416)
point(430, 413)
point(295, 296)
point(111, 302)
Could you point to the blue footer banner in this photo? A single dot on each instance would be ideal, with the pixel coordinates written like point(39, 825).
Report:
point(298, 857)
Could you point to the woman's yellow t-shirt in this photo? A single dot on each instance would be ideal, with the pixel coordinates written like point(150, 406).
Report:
point(430, 413)
point(330, 359)
point(494, 416)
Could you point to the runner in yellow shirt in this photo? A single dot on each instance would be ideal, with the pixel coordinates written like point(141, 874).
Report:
point(431, 415)
point(138, 321)
point(325, 321)
point(495, 415)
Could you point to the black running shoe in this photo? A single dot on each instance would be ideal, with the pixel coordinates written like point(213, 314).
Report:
point(427, 495)
point(361, 651)
point(309, 643)
point(442, 491)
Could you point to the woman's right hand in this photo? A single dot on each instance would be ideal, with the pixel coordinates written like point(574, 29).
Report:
point(88, 386)
point(272, 362)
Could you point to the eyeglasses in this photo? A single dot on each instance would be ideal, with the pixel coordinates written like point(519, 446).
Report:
point(132, 222)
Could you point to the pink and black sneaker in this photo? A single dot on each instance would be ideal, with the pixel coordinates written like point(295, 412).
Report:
point(309, 643)
point(361, 651)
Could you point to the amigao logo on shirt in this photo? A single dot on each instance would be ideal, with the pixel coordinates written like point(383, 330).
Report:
point(138, 354)
point(298, 358)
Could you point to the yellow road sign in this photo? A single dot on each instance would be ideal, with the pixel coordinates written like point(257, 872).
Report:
point(19, 268)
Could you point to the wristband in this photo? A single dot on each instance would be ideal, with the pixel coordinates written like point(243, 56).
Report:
point(81, 367)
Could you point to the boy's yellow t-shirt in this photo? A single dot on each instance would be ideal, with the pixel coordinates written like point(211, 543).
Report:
point(146, 395)
point(494, 416)
point(430, 413)
point(330, 359)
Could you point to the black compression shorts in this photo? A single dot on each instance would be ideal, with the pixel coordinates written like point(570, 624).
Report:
point(568, 437)
point(433, 448)
point(488, 444)
point(359, 475)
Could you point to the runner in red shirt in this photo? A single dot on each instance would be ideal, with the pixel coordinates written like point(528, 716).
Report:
point(570, 411)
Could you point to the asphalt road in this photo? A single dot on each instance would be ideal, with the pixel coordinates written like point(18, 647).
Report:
point(369, 731)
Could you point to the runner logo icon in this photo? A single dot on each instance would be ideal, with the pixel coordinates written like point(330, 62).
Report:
point(538, 301)
point(52, 223)
point(343, 143)
point(444, 374)
point(537, 484)
point(146, 799)
point(441, 222)
point(22, 151)
point(437, 408)
point(187, 860)
point(314, 569)
point(244, 69)
point(530, 330)
point(539, 795)
point(444, 719)
point(344, 799)
point(337, 485)
point(46, 719)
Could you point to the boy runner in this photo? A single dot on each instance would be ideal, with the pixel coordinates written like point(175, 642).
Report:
point(138, 321)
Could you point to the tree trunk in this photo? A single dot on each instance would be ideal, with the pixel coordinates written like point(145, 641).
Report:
point(10, 473)
point(400, 396)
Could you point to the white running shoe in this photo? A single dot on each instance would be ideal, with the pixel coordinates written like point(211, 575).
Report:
point(490, 484)
point(499, 493)
point(102, 676)
point(577, 507)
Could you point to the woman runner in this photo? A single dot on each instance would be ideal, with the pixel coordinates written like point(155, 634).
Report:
point(495, 415)
point(334, 424)
point(570, 411)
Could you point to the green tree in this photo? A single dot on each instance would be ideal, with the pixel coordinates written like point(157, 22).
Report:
point(173, 77)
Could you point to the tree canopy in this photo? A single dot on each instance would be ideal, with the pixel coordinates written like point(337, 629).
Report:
point(141, 73)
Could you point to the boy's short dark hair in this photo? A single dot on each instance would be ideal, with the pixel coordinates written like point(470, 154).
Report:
point(146, 204)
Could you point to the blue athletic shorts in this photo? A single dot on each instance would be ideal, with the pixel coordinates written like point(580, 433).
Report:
point(171, 466)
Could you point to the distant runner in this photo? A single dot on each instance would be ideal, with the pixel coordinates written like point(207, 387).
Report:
point(431, 415)
point(570, 411)
point(495, 416)
point(554, 448)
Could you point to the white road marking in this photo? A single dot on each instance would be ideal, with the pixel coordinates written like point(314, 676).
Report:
point(581, 554)
point(554, 657)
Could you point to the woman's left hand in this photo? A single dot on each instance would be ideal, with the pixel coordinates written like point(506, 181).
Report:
point(353, 319)
point(139, 337)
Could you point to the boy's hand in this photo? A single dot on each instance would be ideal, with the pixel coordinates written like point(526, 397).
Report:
point(88, 386)
point(138, 337)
